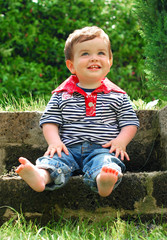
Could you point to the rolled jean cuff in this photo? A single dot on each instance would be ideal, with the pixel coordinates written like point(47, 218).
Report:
point(59, 174)
point(90, 180)
point(57, 183)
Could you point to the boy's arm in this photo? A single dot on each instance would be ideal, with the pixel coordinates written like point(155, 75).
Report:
point(118, 145)
point(55, 145)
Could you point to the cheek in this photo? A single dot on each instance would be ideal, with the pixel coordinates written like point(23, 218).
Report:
point(80, 64)
point(108, 66)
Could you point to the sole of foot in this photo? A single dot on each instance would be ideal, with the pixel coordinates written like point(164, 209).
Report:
point(32, 175)
point(106, 181)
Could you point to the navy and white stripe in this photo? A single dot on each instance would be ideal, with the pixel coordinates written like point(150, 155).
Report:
point(113, 111)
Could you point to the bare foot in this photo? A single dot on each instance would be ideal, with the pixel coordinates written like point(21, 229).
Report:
point(106, 180)
point(36, 178)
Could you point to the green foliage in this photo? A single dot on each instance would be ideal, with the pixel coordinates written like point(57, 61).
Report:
point(33, 34)
point(152, 15)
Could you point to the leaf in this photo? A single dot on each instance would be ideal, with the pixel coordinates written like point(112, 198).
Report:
point(152, 104)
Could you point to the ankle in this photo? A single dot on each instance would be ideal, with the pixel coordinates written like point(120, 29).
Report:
point(46, 176)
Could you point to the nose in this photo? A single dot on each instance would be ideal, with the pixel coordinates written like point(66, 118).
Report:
point(94, 58)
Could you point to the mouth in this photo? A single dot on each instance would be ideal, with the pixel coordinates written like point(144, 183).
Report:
point(94, 67)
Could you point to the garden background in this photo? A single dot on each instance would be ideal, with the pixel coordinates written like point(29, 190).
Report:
point(32, 38)
point(33, 34)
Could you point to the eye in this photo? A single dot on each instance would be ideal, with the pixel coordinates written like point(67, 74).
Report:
point(84, 54)
point(101, 53)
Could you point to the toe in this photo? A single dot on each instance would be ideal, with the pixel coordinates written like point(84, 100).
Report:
point(105, 169)
point(19, 168)
point(23, 160)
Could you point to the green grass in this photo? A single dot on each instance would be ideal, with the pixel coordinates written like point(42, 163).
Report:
point(115, 229)
point(38, 104)
point(31, 104)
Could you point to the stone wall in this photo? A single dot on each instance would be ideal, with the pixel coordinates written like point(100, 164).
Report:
point(143, 190)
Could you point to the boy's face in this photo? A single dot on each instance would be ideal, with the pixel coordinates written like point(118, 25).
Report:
point(91, 62)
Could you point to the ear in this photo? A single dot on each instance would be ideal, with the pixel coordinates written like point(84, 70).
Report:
point(111, 62)
point(70, 66)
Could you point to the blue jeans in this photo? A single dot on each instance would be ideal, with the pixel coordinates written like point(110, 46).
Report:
point(86, 158)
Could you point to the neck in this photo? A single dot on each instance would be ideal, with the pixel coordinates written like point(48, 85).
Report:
point(89, 86)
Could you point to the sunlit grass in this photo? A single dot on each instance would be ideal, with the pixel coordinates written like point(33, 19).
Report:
point(11, 104)
point(115, 229)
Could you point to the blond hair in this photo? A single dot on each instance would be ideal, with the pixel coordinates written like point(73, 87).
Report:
point(82, 35)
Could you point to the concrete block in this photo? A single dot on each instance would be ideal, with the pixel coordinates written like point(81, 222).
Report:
point(143, 148)
point(22, 136)
point(163, 137)
point(137, 195)
point(142, 192)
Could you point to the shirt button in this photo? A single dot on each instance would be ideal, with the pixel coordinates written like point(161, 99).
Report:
point(90, 104)
point(59, 170)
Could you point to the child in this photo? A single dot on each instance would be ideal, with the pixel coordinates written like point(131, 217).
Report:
point(87, 123)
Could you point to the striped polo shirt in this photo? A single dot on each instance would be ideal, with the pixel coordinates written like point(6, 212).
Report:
point(97, 116)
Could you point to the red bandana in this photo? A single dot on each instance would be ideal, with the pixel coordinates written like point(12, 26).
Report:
point(70, 85)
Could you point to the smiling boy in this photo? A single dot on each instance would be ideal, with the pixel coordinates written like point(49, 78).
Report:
point(90, 63)
point(88, 122)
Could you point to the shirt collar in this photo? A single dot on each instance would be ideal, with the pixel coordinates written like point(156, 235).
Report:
point(70, 85)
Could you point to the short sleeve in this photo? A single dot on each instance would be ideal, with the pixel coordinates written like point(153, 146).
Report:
point(52, 113)
point(126, 114)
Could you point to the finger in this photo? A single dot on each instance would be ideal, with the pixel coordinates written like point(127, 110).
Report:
point(122, 155)
point(127, 156)
point(65, 150)
point(52, 152)
point(117, 152)
point(112, 149)
point(47, 153)
point(59, 152)
point(106, 145)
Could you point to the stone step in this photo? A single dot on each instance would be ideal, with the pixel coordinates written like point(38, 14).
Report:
point(143, 190)
point(20, 135)
point(139, 194)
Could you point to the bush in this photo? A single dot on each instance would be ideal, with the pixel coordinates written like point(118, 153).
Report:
point(152, 15)
point(32, 42)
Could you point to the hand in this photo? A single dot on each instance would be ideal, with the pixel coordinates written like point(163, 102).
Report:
point(57, 147)
point(117, 147)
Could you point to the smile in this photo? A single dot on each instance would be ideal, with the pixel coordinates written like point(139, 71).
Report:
point(94, 67)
